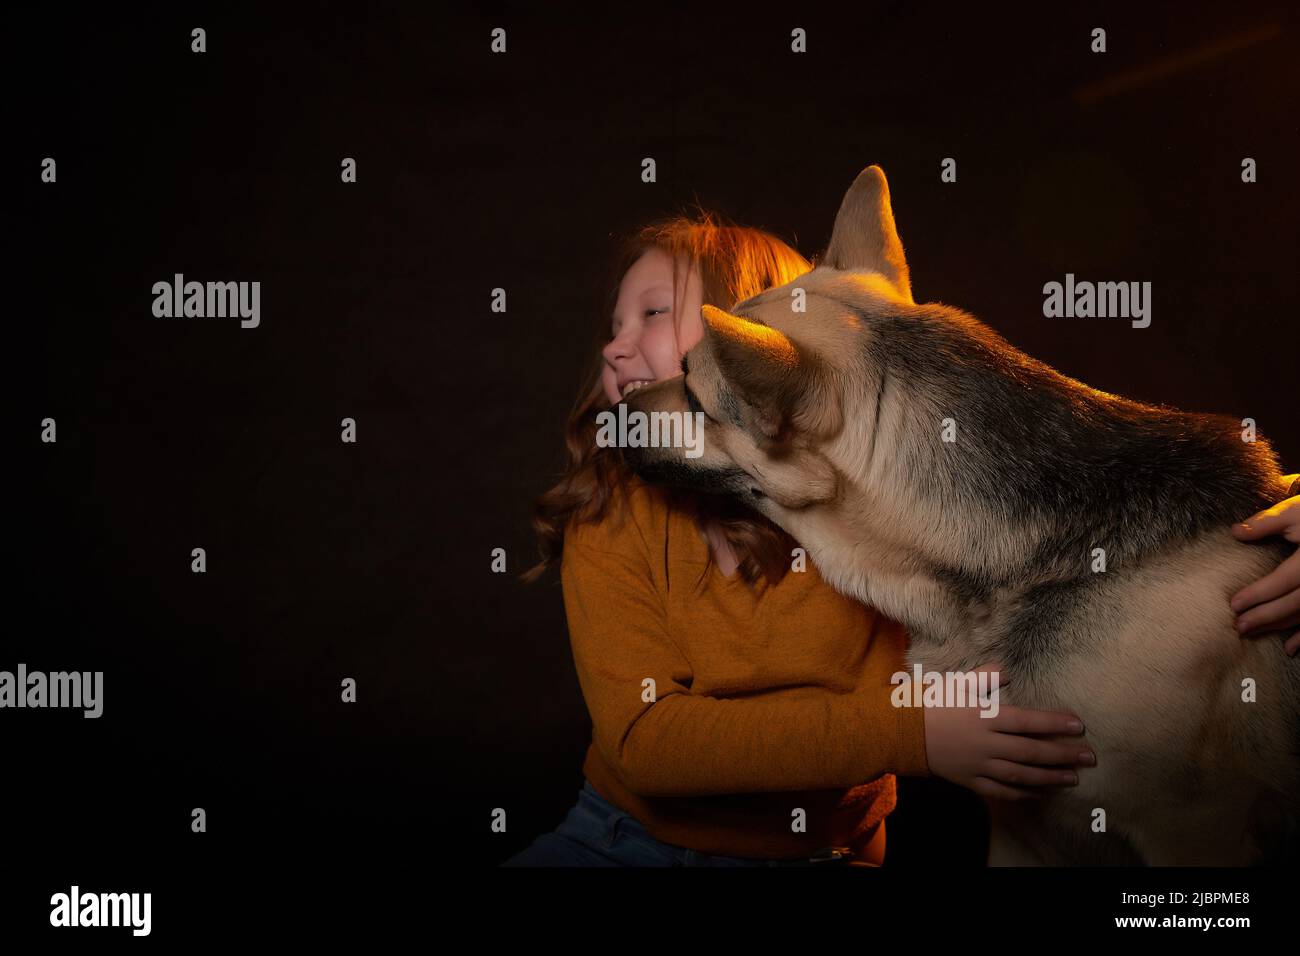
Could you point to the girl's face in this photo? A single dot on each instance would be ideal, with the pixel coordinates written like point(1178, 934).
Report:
point(645, 346)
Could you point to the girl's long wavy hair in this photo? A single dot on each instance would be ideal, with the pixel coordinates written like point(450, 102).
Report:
point(735, 262)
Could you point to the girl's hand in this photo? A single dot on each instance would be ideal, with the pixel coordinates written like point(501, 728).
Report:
point(1272, 602)
point(1000, 756)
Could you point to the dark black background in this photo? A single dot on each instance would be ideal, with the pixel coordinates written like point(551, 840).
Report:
point(475, 170)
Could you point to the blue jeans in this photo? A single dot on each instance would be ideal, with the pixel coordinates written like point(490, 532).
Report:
point(597, 833)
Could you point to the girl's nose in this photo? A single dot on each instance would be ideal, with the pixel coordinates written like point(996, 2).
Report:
point(619, 347)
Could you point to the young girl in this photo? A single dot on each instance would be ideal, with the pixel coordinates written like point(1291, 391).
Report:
point(740, 706)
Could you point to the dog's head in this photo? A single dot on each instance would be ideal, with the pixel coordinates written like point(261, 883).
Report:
point(779, 375)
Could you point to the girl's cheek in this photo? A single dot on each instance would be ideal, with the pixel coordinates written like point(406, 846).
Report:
point(691, 335)
point(667, 360)
point(608, 382)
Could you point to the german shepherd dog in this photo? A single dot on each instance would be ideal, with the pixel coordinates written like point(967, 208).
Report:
point(971, 492)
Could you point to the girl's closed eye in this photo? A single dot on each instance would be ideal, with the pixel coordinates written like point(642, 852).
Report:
point(649, 314)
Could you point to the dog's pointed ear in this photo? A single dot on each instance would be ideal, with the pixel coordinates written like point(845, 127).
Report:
point(864, 236)
point(788, 388)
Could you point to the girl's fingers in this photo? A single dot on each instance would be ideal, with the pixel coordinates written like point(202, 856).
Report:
point(1023, 775)
point(1285, 577)
point(1292, 644)
point(1275, 615)
point(1019, 720)
point(1000, 791)
point(1042, 753)
point(1264, 523)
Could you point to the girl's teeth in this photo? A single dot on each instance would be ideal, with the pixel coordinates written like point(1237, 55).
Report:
point(631, 387)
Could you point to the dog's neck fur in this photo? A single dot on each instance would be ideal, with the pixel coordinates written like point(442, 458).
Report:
point(952, 536)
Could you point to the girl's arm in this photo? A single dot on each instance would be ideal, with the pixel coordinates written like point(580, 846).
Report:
point(679, 744)
point(1273, 602)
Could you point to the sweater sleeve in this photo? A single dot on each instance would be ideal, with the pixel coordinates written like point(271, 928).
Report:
point(662, 741)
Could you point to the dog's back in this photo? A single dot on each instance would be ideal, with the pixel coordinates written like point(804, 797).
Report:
point(1049, 445)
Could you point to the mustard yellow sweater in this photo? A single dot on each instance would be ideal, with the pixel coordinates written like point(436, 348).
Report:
point(761, 705)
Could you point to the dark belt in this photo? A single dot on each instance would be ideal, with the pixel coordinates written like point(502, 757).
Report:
point(826, 856)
